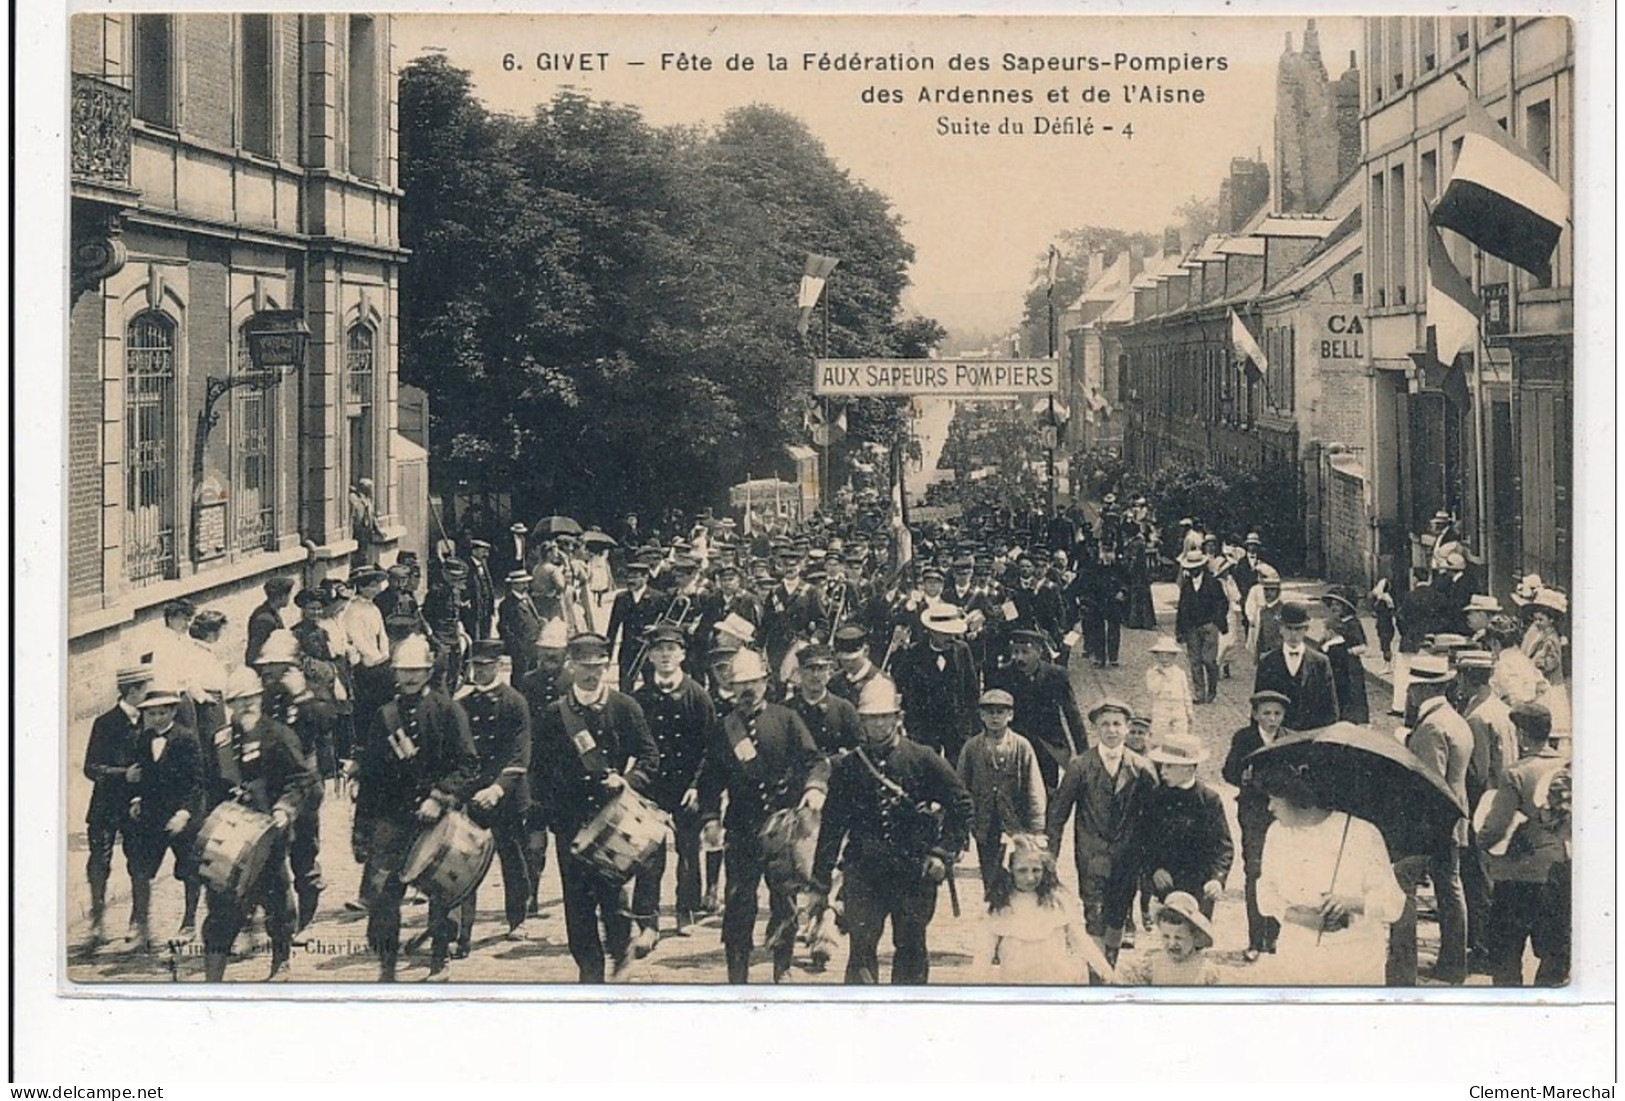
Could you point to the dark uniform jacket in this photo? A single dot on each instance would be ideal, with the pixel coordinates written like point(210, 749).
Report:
point(850, 688)
point(113, 740)
point(832, 721)
point(1040, 608)
point(765, 761)
point(1109, 812)
point(576, 747)
point(885, 834)
point(714, 608)
point(785, 617)
point(173, 782)
point(1312, 691)
point(262, 768)
point(939, 694)
point(482, 597)
point(499, 723)
point(680, 721)
point(415, 747)
point(1184, 833)
point(1045, 709)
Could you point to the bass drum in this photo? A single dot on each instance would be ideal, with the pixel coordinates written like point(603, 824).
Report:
point(450, 858)
point(622, 837)
point(233, 845)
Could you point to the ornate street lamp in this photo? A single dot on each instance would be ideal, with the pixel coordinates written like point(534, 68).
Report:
point(276, 347)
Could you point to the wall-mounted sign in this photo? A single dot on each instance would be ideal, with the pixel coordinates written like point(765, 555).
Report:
point(954, 378)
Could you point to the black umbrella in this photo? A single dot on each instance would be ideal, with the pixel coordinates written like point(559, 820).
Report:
point(1369, 775)
point(555, 525)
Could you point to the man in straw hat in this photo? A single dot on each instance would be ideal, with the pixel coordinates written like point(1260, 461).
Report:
point(1187, 845)
point(519, 621)
point(164, 811)
point(937, 677)
point(1104, 791)
point(415, 759)
point(903, 818)
point(764, 757)
point(589, 745)
point(1443, 741)
point(111, 765)
point(1201, 616)
point(1299, 672)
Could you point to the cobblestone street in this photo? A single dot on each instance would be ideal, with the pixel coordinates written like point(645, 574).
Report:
point(338, 952)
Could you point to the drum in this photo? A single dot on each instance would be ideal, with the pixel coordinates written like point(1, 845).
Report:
point(449, 859)
point(622, 837)
point(233, 845)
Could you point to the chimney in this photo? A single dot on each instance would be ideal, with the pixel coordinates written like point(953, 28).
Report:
point(1097, 264)
point(1170, 242)
point(1311, 41)
point(1354, 61)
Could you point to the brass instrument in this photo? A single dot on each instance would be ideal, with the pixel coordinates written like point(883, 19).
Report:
point(838, 613)
point(677, 614)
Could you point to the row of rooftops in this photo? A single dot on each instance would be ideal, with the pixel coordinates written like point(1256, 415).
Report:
point(1227, 269)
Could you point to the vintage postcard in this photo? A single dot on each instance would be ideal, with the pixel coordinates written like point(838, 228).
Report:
point(1035, 502)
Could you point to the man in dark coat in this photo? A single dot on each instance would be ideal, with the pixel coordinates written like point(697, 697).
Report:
point(765, 758)
point(499, 723)
point(519, 621)
point(415, 760)
point(903, 818)
point(937, 678)
point(165, 810)
point(632, 613)
point(680, 717)
point(111, 766)
point(832, 720)
point(1186, 840)
point(258, 762)
point(1046, 710)
point(480, 611)
point(1103, 603)
point(1299, 672)
point(268, 616)
point(541, 687)
point(1199, 619)
point(589, 745)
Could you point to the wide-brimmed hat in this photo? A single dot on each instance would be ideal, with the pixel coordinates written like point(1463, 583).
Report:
point(1179, 749)
point(1479, 602)
point(945, 619)
point(1527, 589)
point(1340, 595)
point(1164, 645)
point(1190, 912)
point(1430, 667)
point(1554, 601)
point(738, 626)
point(1192, 559)
point(519, 577)
point(159, 697)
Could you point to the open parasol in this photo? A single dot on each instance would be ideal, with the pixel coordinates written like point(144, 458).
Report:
point(1369, 775)
point(597, 539)
point(555, 525)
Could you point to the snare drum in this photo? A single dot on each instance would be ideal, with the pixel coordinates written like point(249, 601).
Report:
point(622, 837)
point(450, 858)
point(233, 845)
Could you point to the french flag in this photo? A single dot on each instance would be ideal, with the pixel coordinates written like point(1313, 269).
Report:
point(1501, 198)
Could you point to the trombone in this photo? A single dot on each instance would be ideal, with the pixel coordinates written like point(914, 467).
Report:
point(837, 612)
point(677, 614)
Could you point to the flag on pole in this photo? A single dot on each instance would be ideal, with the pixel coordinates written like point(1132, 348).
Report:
point(1053, 267)
point(1452, 306)
point(1247, 346)
point(813, 278)
point(840, 422)
point(900, 532)
point(1502, 199)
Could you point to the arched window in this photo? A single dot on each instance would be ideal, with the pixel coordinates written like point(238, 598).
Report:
point(149, 452)
point(359, 382)
point(253, 460)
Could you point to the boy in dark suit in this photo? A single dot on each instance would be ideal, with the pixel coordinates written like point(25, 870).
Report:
point(1253, 810)
point(165, 810)
point(1299, 672)
point(1187, 844)
point(111, 766)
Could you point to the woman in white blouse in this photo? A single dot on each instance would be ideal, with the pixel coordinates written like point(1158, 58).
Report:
point(1328, 879)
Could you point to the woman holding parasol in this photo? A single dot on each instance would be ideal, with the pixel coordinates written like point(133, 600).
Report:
point(1343, 799)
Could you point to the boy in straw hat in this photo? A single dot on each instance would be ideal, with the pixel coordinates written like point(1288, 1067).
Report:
point(1186, 839)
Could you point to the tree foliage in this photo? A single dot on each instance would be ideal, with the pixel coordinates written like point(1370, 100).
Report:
point(1074, 247)
point(604, 312)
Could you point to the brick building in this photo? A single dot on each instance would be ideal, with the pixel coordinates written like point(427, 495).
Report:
point(223, 165)
point(1502, 461)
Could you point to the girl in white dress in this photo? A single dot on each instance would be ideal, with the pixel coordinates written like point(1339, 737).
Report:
point(1034, 932)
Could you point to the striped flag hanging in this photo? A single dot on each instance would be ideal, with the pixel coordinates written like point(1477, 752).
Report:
point(1244, 343)
point(1452, 306)
point(1502, 199)
point(813, 277)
